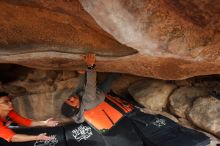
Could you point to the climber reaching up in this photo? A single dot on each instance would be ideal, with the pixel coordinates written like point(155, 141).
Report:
point(87, 95)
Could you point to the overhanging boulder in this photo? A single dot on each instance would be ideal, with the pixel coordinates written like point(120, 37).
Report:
point(160, 39)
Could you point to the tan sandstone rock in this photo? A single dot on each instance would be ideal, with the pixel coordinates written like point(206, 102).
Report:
point(43, 105)
point(182, 99)
point(152, 94)
point(205, 113)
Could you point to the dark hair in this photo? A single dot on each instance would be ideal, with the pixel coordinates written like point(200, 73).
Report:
point(69, 111)
point(3, 94)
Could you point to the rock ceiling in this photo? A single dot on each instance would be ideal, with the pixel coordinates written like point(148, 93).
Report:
point(163, 39)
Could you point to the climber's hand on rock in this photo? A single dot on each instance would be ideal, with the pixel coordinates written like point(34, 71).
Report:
point(89, 59)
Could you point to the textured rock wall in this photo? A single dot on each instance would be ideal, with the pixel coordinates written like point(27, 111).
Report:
point(162, 39)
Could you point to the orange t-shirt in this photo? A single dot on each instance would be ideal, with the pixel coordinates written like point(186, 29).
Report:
point(7, 133)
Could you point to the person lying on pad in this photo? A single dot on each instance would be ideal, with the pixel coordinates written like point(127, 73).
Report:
point(8, 115)
point(87, 96)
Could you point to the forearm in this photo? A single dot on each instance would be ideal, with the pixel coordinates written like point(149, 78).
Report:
point(38, 123)
point(90, 88)
point(49, 123)
point(81, 83)
point(23, 138)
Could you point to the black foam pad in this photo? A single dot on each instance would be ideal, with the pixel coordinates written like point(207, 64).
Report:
point(157, 130)
point(3, 142)
point(83, 135)
point(135, 129)
point(58, 132)
point(123, 134)
point(184, 137)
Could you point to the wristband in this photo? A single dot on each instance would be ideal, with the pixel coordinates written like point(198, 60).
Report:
point(91, 67)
